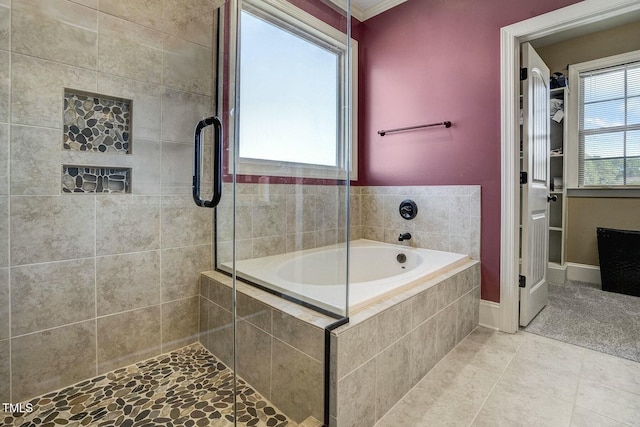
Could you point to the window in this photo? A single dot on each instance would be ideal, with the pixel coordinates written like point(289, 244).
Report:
point(609, 123)
point(292, 94)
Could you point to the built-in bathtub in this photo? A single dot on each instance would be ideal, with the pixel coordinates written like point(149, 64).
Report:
point(318, 276)
point(391, 340)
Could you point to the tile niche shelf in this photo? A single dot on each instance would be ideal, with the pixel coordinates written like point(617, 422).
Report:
point(97, 124)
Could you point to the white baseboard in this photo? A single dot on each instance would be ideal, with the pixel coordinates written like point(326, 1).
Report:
point(489, 314)
point(583, 273)
point(556, 273)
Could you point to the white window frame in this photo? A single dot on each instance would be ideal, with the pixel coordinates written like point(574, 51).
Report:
point(572, 149)
point(288, 13)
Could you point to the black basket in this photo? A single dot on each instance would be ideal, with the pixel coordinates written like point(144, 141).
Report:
point(619, 253)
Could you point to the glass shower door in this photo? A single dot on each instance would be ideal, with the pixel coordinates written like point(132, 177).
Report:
point(282, 225)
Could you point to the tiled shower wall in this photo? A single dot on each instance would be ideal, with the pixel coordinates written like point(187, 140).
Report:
point(93, 282)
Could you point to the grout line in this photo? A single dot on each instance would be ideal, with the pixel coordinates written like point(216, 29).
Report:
point(95, 272)
point(575, 395)
point(9, 258)
point(499, 378)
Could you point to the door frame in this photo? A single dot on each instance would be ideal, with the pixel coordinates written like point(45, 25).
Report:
point(570, 17)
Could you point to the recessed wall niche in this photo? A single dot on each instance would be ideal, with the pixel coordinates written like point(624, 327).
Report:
point(92, 179)
point(96, 123)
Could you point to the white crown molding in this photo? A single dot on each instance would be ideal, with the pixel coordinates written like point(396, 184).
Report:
point(364, 14)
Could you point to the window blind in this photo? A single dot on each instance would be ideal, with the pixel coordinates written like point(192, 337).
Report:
point(609, 127)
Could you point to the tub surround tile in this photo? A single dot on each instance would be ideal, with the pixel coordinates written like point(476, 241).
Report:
point(465, 316)
point(424, 305)
point(359, 409)
point(252, 346)
point(179, 323)
point(127, 224)
point(41, 231)
point(48, 295)
point(393, 379)
point(392, 324)
point(423, 349)
point(299, 334)
point(129, 50)
point(65, 356)
point(297, 383)
point(265, 246)
point(254, 312)
point(5, 331)
point(73, 27)
point(357, 345)
point(217, 336)
point(181, 268)
point(127, 282)
point(446, 323)
point(216, 292)
point(37, 85)
point(127, 337)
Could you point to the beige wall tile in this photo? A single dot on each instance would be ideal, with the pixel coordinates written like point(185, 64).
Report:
point(359, 410)
point(4, 231)
point(177, 169)
point(127, 224)
point(4, 304)
point(300, 212)
point(128, 337)
point(216, 292)
point(64, 356)
point(180, 113)
point(393, 379)
point(129, 50)
point(447, 292)
point(181, 268)
point(393, 324)
point(446, 324)
point(466, 316)
point(180, 323)
point(143, 12)
point(37, 89)
point(35, 161)
point(5, 24)
point(147, 99)
point(184, 223)
point(190, 20)
point(254, 311)
point(147, 175)
point(128, 281)
point(218, 335)
point(304, 337)
point(265, 246)
point(356, 345)
point(5, 81)
point(5, 376)
point(187, 66)
point(423, 349)
point(252, 346)
point(297, 383)
point(42, 229)
point(424, 305)
point(48, 295)
point(70, 29)
point(269, 218)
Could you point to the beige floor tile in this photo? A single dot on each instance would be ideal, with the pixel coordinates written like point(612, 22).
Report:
point(612, 371)
point(586, 418)
point(534, 376)
point(496, 339)
point(550, 354)
point(614, 403)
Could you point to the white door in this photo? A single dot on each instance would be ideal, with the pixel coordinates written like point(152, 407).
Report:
point(535, 206)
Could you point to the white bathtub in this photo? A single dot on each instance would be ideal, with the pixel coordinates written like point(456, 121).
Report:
point(317, 276)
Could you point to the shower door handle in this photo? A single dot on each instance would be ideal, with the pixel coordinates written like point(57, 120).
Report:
point(217, 162)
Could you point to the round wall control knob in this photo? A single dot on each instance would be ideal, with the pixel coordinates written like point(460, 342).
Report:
point(408, 209)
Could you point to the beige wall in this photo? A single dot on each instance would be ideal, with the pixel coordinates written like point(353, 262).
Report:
point(624, 38)
point(91, 282)
point(586, 214)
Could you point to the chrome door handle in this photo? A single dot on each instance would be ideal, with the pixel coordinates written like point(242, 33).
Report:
point(217, 162)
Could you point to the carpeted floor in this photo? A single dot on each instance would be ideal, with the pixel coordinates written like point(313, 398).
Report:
point(582, 314)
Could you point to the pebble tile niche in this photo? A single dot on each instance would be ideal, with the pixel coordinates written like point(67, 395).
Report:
point(96, 123)
point(82, 179)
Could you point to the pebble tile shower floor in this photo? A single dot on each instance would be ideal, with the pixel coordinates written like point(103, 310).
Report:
point(188, 387)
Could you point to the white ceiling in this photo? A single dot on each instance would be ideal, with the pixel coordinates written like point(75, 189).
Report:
point(365, 9)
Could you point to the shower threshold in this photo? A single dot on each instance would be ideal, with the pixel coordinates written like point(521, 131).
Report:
point(187, 387)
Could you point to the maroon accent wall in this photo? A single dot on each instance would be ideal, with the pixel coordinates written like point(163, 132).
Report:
point(428, 61)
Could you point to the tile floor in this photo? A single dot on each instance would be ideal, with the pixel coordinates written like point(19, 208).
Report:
point(497, 379)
